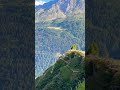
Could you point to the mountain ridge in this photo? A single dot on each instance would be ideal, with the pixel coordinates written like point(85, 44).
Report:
point(59, 9)
point(65, 74)
point(52, 40)
point(54, 25)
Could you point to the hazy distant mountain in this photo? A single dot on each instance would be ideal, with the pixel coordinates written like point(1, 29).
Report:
point(59, 9)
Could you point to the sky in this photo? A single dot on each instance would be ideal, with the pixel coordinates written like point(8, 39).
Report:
point(40, 2)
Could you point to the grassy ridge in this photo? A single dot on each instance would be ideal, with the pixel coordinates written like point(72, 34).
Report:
point(65, 74)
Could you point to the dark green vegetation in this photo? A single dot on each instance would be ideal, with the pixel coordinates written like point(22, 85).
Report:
point(81, 86)
point(65, 74)
point(102, 73)
point(102, 26)
point(73, 47)
point(16, 45)
point(93, 49)
point(64, 33)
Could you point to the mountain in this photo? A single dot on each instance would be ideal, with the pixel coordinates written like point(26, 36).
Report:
point(55, 35)
point(71, 68)
point(66, 74)
point(59, 9)
point(53, 38)
point(45, 6)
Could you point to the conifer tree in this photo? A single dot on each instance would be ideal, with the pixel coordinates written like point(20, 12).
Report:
point(73, 47)
point(93, 49)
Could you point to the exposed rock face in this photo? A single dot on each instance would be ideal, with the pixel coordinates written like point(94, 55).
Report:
point(59, 9)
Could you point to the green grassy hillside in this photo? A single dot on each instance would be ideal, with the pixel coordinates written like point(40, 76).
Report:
point(65, 74)
point(81, 86)
point(69, 71)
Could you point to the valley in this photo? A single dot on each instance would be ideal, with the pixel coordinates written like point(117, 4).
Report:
point(56, 34)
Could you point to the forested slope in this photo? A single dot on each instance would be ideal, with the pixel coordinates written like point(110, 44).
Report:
point(53, 38)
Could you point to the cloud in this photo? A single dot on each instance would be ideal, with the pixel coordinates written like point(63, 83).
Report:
point(39, 3)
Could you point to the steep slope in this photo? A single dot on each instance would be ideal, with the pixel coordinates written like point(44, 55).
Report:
point(46, 6)
point(69, 71)
point(102, 73)
point(65, 74)
point(59, 24)
point(56, 37)
point(59, 9)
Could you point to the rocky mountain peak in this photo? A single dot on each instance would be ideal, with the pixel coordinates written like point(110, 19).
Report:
point(59, 9)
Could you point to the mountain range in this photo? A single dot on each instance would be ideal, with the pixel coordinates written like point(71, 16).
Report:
point(58, 25)
point(59, 9)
